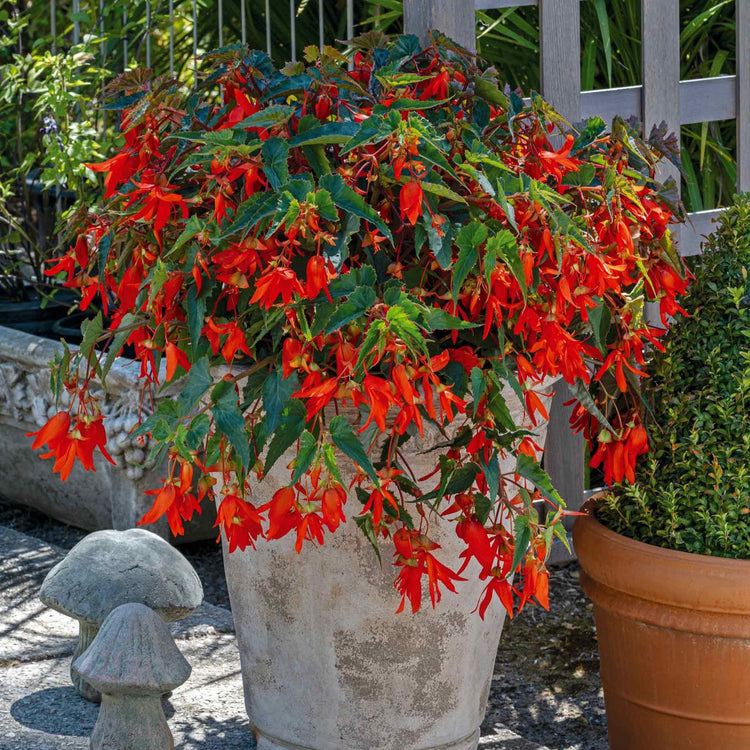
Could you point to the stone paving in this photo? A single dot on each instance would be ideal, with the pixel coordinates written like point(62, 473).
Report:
point(39, 707)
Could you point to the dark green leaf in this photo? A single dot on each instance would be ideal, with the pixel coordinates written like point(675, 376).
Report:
point(197, 431)
point(316, 157)
point(350, 201)
point(347, 441)
point(251, 212)
point(462, 479)
point(437, 188)
point(197, 383)
point(510, 214)
point(326, 207)
point(308, 447)
point(275, 154)
point(529, 469)
point(277, 390)
point(331, 132)
point(491, 471)
point(230, 422)
point(118, 341)
point(370, 131)
point(595, 126)
point(102, 251)
point(442, 247)
point(488, 91)
point(582, 177)
point(339, 252)
point(91, 330)
point(582, 395)
point(329, 456)
point(469, 239)
point(357, 304)
point(193, 226)
point(478, 383)
point(365, 526)
point(600, 318)
point(196, 308)
point(300, 186)
point(292, 424)
point(267, 117)
point(522, 538)
point(438, 319)
point(505, 246)
point(403, 105)
point(499, 408)
point(482, 508)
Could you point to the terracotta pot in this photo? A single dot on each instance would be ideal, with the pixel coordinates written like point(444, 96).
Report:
point(327, 664)
point(674, 642)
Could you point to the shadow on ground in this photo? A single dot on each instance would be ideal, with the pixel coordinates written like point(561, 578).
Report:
point(56, 710)
point(61, 711)
point(206, 731)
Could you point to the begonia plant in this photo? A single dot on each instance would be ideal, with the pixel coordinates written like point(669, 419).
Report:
point(332, 258)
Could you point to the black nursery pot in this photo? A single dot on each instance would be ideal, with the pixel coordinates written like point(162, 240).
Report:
point(69, 327)
point(28, 314)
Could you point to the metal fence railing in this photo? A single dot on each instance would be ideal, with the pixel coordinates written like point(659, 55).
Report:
point(192, 17)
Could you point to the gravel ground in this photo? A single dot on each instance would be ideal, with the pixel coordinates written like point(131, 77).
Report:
point(546, 685)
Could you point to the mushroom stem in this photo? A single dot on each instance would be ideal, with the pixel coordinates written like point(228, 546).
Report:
point(86, 633)
point(131, 722)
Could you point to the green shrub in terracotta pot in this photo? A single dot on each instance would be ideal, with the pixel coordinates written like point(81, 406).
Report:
point(667, 560)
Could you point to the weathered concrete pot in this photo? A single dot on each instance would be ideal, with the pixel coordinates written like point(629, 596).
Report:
point(112, 496)
point(674, 642)
point(327, 664)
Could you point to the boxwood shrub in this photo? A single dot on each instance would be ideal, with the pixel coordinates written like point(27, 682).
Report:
point(693, 491)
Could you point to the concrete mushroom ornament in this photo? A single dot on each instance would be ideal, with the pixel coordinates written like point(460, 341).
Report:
point(132, 662)
point(110, 568)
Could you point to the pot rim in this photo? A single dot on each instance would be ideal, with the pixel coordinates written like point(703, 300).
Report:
point(659, 574)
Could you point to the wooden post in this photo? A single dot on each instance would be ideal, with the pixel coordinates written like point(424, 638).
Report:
point(660, 59)
point(743, 96)
point(660, 50)
point(455, 18)
point(560, 63)
point(565, 455)
point(560, 56)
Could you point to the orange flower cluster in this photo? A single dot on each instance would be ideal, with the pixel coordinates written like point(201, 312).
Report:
point(336, 260)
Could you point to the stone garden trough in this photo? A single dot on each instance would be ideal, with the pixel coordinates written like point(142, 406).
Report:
point(110, 497)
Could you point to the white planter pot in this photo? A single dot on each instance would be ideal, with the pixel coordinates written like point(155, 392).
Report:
point(327, 664)
point(110, 497)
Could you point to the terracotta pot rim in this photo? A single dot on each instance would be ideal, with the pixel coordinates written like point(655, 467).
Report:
point(673, 577)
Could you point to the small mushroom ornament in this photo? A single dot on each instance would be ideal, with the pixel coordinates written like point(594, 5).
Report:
point(132, 662)
point(109, 568)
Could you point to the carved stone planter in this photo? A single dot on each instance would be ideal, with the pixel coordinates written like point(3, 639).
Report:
point(110, 497)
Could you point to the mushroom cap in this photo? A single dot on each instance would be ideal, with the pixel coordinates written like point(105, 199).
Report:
point(133, 654)
point(110, 568)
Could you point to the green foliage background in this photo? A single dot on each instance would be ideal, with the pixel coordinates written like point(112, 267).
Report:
point(611, 57)
point(507, 39)
point(693, 492)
